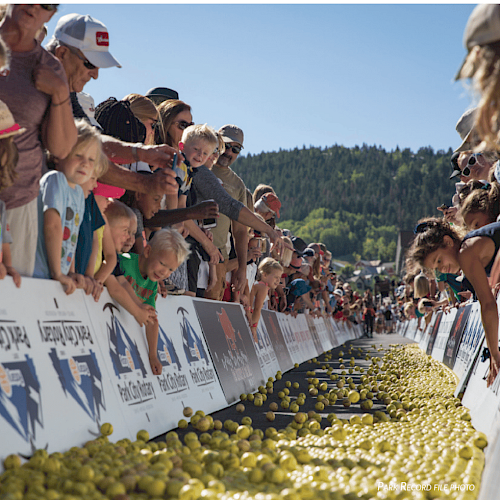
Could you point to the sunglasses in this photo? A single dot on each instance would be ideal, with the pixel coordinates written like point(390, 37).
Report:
point(85, 61)
point(470, 163)
point(49, 8)
point(183, 125)
point(235, 149)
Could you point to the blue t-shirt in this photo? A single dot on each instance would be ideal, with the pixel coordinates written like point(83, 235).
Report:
point(56, 193)
point(92, 220)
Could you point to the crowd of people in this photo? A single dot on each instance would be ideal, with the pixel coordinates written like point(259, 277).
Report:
point(133, 195)
point(454, 259)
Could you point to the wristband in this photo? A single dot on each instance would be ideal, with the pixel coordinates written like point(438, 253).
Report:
point(254, 325)
point(59, 103)
point(135, 154)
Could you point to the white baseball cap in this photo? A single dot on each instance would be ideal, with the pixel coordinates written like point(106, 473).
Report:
point(89, 35)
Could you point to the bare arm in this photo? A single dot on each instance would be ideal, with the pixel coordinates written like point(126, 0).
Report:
point(58, 128)
point(7, 262)
point(53, 234)
point(109, 256)
point(240, 236)
point(161, 182)
point(207, 209)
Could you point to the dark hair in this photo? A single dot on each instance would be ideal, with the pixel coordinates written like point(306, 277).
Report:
point(117, 120)
point(168, 111)
point(429, 237)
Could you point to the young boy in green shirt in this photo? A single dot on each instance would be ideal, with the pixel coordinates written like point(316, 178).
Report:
point(163, 254)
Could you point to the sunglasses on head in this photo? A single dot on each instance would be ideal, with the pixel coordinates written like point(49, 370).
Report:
point(470, 163)
point(49, 8)
point(235, 149)
point(183, 124)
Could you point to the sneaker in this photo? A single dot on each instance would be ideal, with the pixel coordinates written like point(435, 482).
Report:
point(173, 289)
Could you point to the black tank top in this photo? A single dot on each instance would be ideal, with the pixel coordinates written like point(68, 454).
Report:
point(490, 231)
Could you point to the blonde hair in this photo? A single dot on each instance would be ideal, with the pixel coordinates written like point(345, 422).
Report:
point(117, 210)
point(9, 156)
point(287, 254)
point(268, 265)
point(421, 286)
point(143, 109)
point(200, 132)
point(87, 134)
point(170, 240)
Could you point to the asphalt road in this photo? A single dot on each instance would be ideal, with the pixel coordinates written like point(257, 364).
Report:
point(299, 374)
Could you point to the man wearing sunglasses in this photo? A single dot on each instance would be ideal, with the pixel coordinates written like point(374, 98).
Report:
point(81, 43)
point(233, 139)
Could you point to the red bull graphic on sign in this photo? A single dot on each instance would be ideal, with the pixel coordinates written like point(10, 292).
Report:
point(233, 353)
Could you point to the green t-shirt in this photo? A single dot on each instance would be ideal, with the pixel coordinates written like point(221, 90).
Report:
point(145, 288)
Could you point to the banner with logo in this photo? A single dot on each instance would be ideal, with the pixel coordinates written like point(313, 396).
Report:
point(278, 340)
point(455, 336)
point(229, 341)
point(307, 343)
point(54, 392)
point(265, 351)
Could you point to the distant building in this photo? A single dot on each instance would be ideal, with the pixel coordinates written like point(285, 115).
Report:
point(405, 239)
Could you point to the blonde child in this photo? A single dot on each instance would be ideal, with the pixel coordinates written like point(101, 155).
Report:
point(270, 275)
point(8, 160)
point(197, 144)
point(61, 207)
point(161, 256)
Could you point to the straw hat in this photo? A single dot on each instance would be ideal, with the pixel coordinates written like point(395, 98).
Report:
point(8, 126)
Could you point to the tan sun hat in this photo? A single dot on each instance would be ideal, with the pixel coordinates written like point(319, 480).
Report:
point(8, 126)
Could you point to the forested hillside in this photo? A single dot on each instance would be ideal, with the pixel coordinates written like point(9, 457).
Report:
point(355, 200)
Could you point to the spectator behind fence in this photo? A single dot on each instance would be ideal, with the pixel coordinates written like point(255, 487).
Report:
point(81, 43)
point(8, 160)
point(36, 91)
point(438, 245)
point(61, 206)
point(162, 255)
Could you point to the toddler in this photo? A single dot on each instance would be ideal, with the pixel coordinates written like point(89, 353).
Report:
point(270, 275)
point(161, 256)
point(61, 207)
point(8, 160)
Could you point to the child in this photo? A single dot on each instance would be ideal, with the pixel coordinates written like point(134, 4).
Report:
point(161, 256)
point(270, 276)
point(481, 206)
point(8, 160)
point(438, 245)
point(61, 207)
point(197, 144)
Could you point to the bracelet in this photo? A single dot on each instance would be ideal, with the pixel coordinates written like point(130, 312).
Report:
point(135, 153)
point(254, 325)
point(59, 103)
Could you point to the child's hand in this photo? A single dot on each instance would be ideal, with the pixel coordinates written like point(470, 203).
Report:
point(145, 314)
point(94, 287)
point(68, 283)
point(162, 289)
point(253, 329)
point(156, 366)
point(15, 275)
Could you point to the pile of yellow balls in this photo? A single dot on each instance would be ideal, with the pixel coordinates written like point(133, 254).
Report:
point(422, 447)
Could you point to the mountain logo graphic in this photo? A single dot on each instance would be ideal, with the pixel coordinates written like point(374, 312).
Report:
point(81, 378)
point(20, 398)
point(166, 350)
point(123, 351)
point(191, 341)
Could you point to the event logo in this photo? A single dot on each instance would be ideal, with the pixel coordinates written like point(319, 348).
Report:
point(123, 351)
point(20, 399)
point(13, 336)
point(81, 378)
point(166, 350)
point(102, 38)
point(229, 332)
point(191, 341)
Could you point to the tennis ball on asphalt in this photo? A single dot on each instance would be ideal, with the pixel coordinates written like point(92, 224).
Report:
point(270, 416)
point(187, 412)
point(182, 424)
point(296, 385)
point(240, 408)
point(273, 406)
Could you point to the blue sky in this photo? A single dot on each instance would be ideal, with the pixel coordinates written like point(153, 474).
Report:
point(294, 75)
